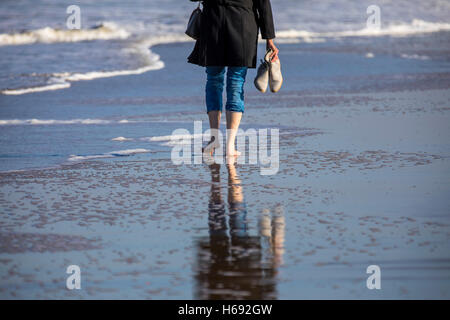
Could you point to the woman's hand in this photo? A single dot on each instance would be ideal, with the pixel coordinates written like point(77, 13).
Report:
point(271, 45)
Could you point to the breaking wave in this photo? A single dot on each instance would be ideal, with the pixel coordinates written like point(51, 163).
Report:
point(416, 26)
point(104, 31)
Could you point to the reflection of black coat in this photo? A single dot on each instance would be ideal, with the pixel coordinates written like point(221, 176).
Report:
point(229, 33)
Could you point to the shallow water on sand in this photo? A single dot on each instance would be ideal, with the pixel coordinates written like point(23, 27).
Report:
point(363, 179)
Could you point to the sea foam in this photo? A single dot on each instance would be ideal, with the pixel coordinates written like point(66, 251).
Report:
point(416, 26)
point(87, 121)
point(151, 61)
point(112, 154)
point(105, 31)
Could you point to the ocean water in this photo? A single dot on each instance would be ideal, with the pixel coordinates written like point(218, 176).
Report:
point(40, 53)
point(43, 122)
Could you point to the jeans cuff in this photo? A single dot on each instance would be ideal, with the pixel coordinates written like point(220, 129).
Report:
point(235, 108)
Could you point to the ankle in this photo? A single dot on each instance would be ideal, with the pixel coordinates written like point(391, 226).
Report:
point(231, 149)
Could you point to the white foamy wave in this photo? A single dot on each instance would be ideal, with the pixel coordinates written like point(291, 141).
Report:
point(62, 80)
point(417, 26)
point(55, 121)
point(112, 154)
point(105, 31)
point(151, 62)
point(181, 139)
point(172, 137)
point(415, 56)
point(170, 140)
point(122, 139)
point(175, 139)
point(156, 64)
point(49, 87)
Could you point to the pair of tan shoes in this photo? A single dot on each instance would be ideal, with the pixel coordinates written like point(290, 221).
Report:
point(269, 72)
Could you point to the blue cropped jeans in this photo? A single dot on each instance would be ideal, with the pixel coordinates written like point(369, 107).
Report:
point(235, 88)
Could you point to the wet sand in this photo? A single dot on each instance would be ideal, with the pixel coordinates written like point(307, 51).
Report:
point(364, 179)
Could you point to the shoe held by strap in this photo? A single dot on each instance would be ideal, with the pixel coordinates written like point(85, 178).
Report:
point(269, 73)
point(262, 76)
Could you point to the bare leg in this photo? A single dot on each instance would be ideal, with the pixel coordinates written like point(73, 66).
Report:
point(214, 119)
point(216, 196)
point(214, 123)
point(233, 121)
point(235, 194)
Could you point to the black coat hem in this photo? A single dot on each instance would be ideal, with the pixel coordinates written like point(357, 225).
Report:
point(230, 30)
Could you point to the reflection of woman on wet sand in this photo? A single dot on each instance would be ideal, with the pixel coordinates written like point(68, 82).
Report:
point(231, 264)
point(272, 233)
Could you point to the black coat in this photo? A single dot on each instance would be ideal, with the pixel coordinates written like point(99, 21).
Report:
point(229, 32)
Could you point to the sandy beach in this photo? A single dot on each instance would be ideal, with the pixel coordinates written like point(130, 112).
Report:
point(89, 185)
point(364, 179)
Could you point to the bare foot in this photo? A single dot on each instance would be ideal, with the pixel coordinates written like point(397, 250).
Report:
point(232, 156)
point(233, 153)
point(209, 148)
point(230, 160)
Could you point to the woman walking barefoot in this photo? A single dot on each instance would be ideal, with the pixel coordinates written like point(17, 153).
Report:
point(228, 44)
